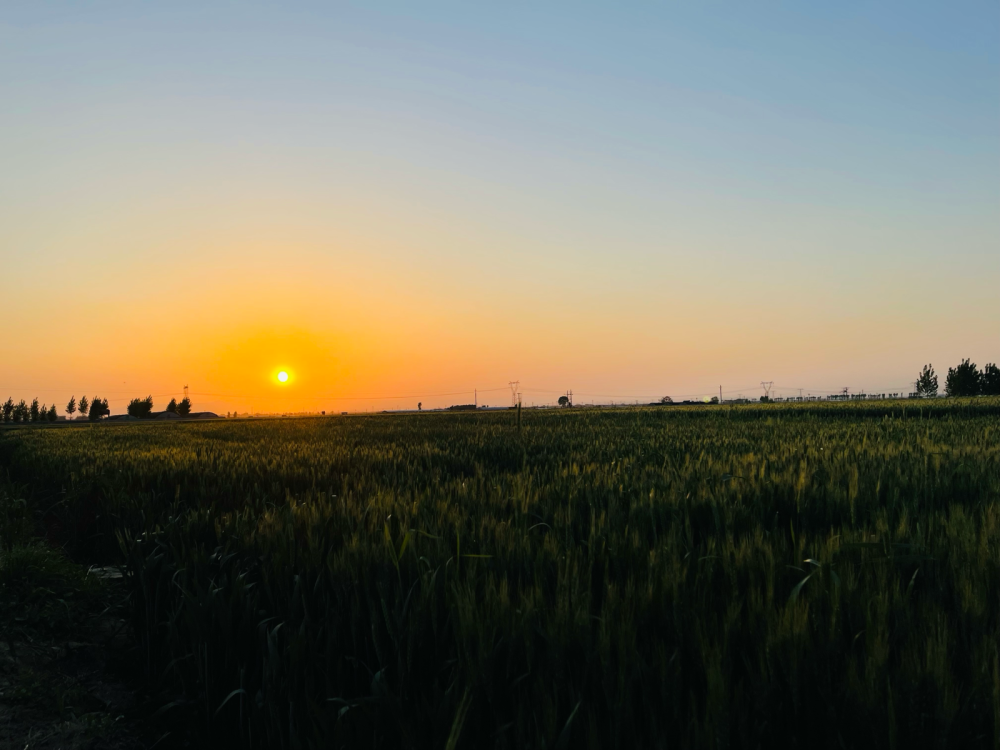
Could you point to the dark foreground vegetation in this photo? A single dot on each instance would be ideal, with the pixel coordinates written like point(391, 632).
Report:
point(823, 576)
point(66, 652)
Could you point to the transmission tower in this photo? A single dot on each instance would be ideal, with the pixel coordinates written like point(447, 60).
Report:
point(185, 391)
point(766, 385)
point(514, 385)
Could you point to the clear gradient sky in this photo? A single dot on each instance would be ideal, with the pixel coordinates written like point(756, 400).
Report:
point(416, 198)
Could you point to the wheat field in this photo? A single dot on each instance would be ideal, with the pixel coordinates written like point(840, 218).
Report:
point(814, 576)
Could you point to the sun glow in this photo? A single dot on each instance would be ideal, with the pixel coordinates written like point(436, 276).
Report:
point(283, 376)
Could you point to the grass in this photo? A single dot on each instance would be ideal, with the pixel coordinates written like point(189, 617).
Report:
point(774, 576)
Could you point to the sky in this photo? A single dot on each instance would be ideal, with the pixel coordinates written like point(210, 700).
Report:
point(403, 202)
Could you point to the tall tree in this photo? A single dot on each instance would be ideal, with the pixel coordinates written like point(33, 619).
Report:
point(84, 406)
point(141, 408)
point(8, 410)
point(927, 383)
point(52, 414)
point(98, 408)
point(33, 410)
point(990, 385)
point(963, 380)
point(184, 407)
point(21, 412)
point(71, 407)
point(172, 406)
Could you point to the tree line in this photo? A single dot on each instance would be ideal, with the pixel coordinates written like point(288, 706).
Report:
point(142, 408)
point(93, 409)
point(963, 380)
point(22, 412)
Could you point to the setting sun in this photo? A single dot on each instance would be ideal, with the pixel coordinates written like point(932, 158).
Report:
point(283, 376)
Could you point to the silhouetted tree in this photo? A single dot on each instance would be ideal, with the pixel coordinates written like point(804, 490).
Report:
point(564, 401)
point(141, 408)
point(420, 406)
point(21, 412)
point(8, 410)
point(84, 406)
point(666, 400)
point(172, 406)
point(52, 414)
point(98, 408)
point(927, 383)
point(33, 410)
point(71, 407)
point(963, 380)
point(990, 381)
point(184, 407)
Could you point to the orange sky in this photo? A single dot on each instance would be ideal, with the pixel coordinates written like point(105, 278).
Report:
point(348, 324)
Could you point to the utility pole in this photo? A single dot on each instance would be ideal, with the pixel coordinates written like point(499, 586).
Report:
point(476, 397)
point(720, 394)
